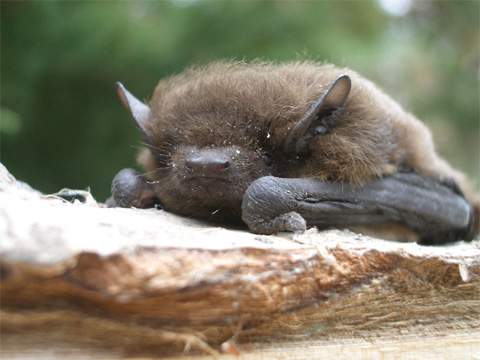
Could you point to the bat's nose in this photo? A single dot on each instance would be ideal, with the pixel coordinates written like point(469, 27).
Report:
point(207, 162)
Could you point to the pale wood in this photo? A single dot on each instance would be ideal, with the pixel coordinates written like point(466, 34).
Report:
point(451, 347)
point(84, 279)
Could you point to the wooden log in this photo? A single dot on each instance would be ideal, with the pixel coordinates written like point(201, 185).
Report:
point(90, 279)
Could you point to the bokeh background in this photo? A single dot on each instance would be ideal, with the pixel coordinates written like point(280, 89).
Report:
point(62, 126)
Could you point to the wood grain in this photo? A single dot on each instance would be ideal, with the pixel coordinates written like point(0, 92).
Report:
point(81, 279)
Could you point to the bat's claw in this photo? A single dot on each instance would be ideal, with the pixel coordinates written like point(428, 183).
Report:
point(291, 222)
point(288, 222)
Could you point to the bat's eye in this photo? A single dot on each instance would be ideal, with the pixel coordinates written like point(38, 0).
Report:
point(267, 159)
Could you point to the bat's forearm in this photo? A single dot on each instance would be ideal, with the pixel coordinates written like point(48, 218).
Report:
point(434, 211)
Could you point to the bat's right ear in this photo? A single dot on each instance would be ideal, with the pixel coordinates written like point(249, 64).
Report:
point(139, 111)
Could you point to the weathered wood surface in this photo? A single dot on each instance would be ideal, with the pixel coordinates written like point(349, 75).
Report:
point(145, 282)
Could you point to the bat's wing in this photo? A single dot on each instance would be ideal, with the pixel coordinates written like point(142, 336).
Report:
point(435, 211)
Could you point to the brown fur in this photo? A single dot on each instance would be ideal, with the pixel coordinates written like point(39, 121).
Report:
point(252, 106)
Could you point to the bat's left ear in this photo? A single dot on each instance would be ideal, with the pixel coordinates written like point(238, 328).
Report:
point(311, 124)
point(139, 111)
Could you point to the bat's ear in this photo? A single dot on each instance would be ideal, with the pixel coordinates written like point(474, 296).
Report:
point(139, 111)
point(312, 123)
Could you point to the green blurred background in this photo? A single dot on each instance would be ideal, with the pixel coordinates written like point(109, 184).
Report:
point(62, 126)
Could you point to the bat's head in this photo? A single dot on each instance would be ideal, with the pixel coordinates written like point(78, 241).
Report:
point(200, 163)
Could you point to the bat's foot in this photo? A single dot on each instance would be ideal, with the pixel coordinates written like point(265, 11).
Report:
point(130, 189)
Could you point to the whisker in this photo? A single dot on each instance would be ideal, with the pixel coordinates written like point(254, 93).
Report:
point(155, 171)
point(158, 148)
point(166, 156)
point(164, 144)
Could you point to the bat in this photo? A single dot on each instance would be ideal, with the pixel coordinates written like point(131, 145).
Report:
point(282, 147)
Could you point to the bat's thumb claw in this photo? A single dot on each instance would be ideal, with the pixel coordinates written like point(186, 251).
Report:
point(291, 222)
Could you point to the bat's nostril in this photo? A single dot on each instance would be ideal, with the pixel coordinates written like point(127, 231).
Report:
point(216, 166)
point(205, 165)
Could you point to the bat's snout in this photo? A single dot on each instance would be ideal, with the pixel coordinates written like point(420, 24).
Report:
point(210, 162)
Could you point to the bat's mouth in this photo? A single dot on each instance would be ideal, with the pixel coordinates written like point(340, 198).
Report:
point(211, 190)
point(206, 179)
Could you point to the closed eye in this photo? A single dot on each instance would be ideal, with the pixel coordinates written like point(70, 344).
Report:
point(267, 159)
